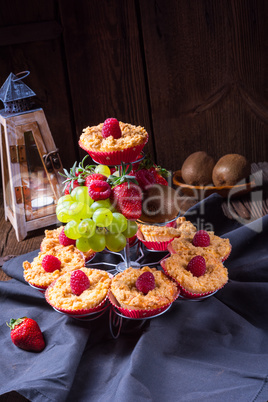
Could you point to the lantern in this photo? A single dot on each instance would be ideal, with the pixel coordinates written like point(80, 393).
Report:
point(30, 161)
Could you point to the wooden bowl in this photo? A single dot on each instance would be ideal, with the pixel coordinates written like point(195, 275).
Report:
point(201, 192)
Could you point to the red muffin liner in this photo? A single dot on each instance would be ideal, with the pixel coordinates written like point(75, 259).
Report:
point(77, 312)
point(41, 289)
point(138, 314)
point(225, 258)
point(172, 251)
point(172, 224)
point(154, 245)
point(132, 241)
point(184, 292)
point(115, 157)
point(90, 257)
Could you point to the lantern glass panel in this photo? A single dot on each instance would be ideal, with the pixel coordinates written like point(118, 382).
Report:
point(40, 187)
point(6, 177)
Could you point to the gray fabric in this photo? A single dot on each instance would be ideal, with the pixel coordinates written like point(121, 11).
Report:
point(212, 350)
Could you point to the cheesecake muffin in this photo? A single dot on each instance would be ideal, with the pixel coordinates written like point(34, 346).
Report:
point(142, 292)
point(43, 270)
point(197, 275)
point(56, 237)
point(82, 291)
point(196, 243)
point(185, 227)
point(113, 149)
point(156, 237)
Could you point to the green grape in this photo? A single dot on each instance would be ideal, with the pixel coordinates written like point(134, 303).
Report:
point(101, 204)
point(64, 198)
point(115, 242)
point(131, 229)
point(65, 205)
point(79, 210)
point(86, 212)
point(87, 227)
point(71, 230)
point(119, 223)
point(82, 244)
point(103, 217)
point(97, 242)
point(75, 208)
point(63, 216)
point(103, 169)
point(80, 194)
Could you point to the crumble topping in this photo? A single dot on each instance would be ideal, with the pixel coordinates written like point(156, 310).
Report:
point(132, 136)
point(219, 248)
point(215, 277)
point(71, 259)
point(60, 294)
point(128, 296)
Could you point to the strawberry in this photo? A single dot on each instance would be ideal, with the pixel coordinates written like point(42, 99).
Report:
point(126, 194)
point(70, 186)
point(50, 263)
point(145, 282)
point(201, 239)
point(64, 240)
point(144, 177)
point(111, 127)
point(77, 175)
point(99, 190)
point(26, 334)
point(159, 179)
point(160, 174)
point(127, 198)
point(197, 265)
point(79, 282)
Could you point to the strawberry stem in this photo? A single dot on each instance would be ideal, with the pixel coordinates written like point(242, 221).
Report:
point(15, 321)
point(125, 170)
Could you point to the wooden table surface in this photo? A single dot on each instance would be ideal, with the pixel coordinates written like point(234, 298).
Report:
point(248, 207)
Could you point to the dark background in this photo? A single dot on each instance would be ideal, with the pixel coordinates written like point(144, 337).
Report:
point(192, 72)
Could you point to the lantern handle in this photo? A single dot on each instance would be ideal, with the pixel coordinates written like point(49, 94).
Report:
point(21, 78)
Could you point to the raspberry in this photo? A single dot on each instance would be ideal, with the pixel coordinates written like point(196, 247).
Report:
point(99, 190)
point(79, 282)
point(144, 178)
point(145, 282)
point(50, 263)
point(64, 240)
point(201, 239)
point(197, 265)
point(111, 127)
point(94, 176)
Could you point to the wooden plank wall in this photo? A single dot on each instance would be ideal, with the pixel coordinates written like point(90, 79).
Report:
point(193, 72)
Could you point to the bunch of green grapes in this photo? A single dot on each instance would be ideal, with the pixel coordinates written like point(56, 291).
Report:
point(93, 224)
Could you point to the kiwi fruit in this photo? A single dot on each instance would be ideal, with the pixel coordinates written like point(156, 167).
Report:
point(197, 169)
point(159, 204)
point(230, 169)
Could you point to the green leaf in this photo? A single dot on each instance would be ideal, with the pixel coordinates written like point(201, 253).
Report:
point(13, 322)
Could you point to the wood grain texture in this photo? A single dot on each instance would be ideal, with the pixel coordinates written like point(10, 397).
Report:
point(207, 70)
point(193, 73)
point(105, 65)
point(29, 33)
point(45, 59)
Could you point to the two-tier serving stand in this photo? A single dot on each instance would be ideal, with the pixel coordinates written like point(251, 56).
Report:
point(133, 255)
